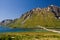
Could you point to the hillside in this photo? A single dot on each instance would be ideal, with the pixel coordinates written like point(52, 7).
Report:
point(48, 17)
point(6, 22)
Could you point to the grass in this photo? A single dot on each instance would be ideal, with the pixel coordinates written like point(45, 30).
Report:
point(42, 18)
point(30, 36)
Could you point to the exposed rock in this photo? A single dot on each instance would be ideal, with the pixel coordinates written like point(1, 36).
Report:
point(5, 22)
point(52, 8)
point(37, 16)
point(55, 10)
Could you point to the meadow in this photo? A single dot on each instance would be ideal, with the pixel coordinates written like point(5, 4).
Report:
point(30, 36)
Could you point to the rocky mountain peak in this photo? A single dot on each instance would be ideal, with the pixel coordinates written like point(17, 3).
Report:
point(5, 22)
point(36, 9)
point(37, 16)
point(55, 10)
point(52, 8)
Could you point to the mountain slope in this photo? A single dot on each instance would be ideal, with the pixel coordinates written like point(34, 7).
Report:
point(48, 17)
point(6, 22)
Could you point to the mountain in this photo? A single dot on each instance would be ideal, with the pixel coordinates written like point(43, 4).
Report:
point(48, 17)
point(55, 10)
point(6, 22)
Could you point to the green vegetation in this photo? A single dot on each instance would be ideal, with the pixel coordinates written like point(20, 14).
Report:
point(34, 19)
point(42, 18)
point(30, 36)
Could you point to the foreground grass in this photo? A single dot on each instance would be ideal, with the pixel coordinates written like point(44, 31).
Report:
point(30, 36)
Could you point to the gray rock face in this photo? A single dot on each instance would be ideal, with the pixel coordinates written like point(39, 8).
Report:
point(6, 22)
point(55, 10)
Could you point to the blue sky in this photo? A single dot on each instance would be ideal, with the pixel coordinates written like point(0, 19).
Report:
point(11, 9)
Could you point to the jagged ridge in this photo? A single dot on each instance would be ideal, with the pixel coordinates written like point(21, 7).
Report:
point(48, 17)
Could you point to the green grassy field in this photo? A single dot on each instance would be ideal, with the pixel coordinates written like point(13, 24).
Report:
point(30, 36)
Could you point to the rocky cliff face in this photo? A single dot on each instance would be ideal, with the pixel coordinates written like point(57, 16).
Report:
point(6, 22)
point(48, 17)
point(54, 9)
